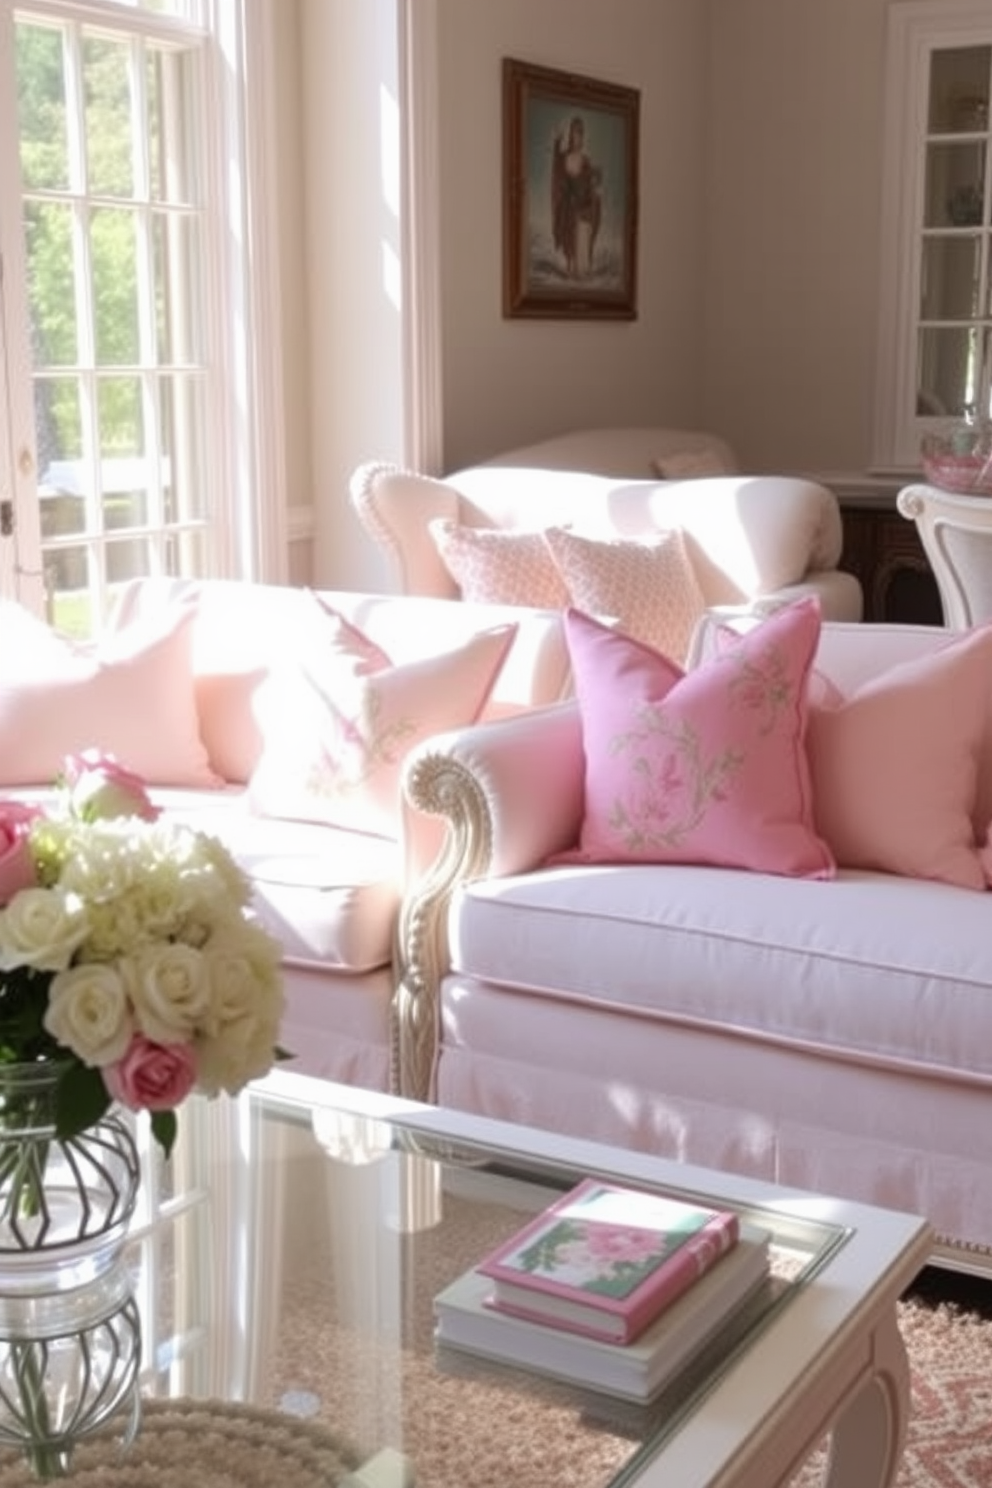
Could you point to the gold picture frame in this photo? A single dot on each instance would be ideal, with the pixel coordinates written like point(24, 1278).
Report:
point(570, 200)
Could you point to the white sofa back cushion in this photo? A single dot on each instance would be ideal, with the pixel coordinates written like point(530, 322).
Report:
point(747, 535)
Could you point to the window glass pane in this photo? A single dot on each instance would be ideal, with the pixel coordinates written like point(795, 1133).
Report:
point(41, 107)
point(954, 185)
point(184, 445)
point(113, 254)
point(125, 474)
point(58, 425)
point(107, 92)
point(950, 282)
point(179, 315)
point(949, 370)
point(129, 559)
point(170, 101)
point(48, 244)
point(959, 89)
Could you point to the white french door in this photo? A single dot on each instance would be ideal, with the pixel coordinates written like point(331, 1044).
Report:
point(121, 172)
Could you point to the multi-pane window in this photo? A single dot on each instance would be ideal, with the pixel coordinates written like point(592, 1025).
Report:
point(936, 347)
point(123, 308)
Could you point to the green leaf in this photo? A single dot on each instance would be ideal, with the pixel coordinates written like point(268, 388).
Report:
point(164, 1128)
point(81, 1098)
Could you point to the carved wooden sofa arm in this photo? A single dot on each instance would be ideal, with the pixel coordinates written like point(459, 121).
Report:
point(509, 794)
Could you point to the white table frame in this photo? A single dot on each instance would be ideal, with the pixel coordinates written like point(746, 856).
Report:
point(832, 1362)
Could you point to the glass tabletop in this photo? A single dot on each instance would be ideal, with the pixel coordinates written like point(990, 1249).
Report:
point(289, 1255)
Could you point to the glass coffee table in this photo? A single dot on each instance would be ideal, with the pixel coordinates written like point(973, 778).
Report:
point(288, 1257)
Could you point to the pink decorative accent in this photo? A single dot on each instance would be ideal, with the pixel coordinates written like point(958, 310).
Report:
point(647, 587)
point(339, 720)
point(707, 766)
point(132, 696)
point(151, 1077)
point(895, 765)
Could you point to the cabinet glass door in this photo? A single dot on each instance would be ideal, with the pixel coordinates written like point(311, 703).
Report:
point(954, 318)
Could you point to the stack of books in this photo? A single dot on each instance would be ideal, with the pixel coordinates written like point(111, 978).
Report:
point(610, 1287)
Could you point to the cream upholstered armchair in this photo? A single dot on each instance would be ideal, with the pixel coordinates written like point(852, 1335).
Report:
point(956, 533)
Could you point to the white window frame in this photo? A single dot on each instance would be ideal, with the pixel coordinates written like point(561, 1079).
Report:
point(249, 479)
point(915, 29)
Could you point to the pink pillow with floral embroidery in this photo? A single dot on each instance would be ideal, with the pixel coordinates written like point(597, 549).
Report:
point(706, 766)
point(895, 765)
point(339, 719)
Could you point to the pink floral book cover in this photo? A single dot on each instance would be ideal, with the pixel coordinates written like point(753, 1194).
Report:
point(606, 1260)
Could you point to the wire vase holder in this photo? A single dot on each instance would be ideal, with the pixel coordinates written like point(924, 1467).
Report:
point(65, 1203)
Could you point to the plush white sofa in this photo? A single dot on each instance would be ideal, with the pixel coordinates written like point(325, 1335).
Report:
point(832, 1034)
point(180, 704)
point(753, 541)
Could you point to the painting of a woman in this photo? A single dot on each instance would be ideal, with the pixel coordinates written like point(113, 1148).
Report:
point(576, 200)
point(570, 215)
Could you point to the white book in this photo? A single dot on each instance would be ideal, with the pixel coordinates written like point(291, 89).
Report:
point(636, 1371)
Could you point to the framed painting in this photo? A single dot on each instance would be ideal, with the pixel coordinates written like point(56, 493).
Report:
point(570, 168)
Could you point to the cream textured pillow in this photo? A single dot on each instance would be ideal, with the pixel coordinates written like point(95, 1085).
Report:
point(131, 696)
point(647, 587)
point(338, 721)
point(493, 566)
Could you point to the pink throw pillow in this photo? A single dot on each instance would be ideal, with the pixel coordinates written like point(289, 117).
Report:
point(131, 695)
point(895, 765)
point(338, 721)
point(493, 566)
point(706, 766)
point(648, 587)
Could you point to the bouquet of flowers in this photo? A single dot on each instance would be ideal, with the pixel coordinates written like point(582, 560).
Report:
point(128, 953)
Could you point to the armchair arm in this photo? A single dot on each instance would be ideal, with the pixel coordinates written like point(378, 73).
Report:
point(509, 794)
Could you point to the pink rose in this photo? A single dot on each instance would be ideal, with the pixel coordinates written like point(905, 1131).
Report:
point(151, 1077)
point(100, 788)
point(17, 870)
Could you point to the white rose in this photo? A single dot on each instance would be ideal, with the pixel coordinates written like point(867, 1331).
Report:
point(41, 928)
point(170, 990)
point(88, 1012)
point(243, 969)
point(243, 1051)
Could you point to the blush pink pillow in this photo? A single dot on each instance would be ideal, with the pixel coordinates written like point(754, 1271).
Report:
point(706, 766)
point(895, 766)
point(338, 721)
point(131, 696)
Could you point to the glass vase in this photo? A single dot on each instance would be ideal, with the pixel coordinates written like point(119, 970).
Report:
point(65, 1204)
point(69, 1366)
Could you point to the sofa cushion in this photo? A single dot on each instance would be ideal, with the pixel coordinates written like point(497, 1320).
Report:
point(647, 587)
point(130, 695)
point(493, 566)
point(851, 965)
point(329, 896)
point(338, 720)
point(895, 765)
point(707, 766)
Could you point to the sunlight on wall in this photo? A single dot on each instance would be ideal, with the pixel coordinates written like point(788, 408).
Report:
point(389, 158)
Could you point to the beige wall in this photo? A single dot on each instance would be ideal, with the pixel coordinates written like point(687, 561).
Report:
point(506, 382)
point(793, 174)
point(759, 214)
